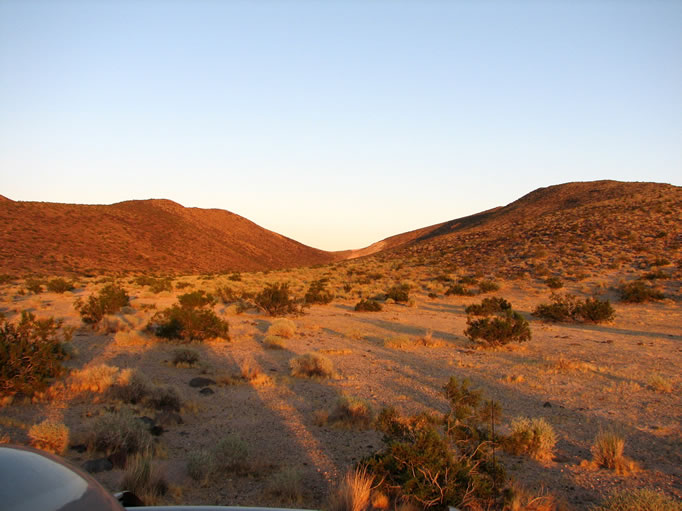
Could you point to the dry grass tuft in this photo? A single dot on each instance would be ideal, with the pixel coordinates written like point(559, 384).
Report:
point(520, 499)
point(201, 465)
point(353, 493)
point(312, 365)
point(95, 379)
point(607, 452)
point(534, 437)
point(287, 484)
point(352, 412)
point(660, 383)
point(143, 479)
point(641, 499)
point(282, 328)
point(274, 342)
point(118, 433)
point(49, 436)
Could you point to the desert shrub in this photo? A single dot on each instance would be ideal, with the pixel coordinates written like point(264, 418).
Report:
point(488, 307)
point(164, 397)
point(640, 499)
point(274, 342)
point(661, 261)
point(34, 286)
point(143, 479)
point(567, 307)
point(235, 277)
point(49, 436)
point(31, 353)
point(182, 285)
point(501, 329)
point(534, 437)
point(59, 285)
point(607, 452)
point(312, 365)
point(190, 320)
point(366, 305)
point(5, 278)
point(436, 462)
point(200, 465)
point(351, 412)
point(287, 484)
point(468, 280)
point(275, 300)
point(399, 293)
point(654, 275)
point(94, 378)
point(156, 285)
point(458, 290)
point(353, 493)
point(639, 292)
point(133, 390)
point(660, 383)
point(185, 357)
point(488, 286)
point(554, 283)
point(111, 299)
point(231, 454)
point(282, 328)
point(318, 293)
point(226, 294)
point(118, 433)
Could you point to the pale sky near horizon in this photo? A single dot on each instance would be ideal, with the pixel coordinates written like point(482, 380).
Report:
point(335, 123)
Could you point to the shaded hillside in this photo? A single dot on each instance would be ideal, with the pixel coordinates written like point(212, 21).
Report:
point(575, 225)
point(149, 235)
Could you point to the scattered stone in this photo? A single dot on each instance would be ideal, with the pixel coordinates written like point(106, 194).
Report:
point(156, 430)
point(206, 391)
point(200, 381)
point(547, 404)
point(79, 448)
point(98, 465)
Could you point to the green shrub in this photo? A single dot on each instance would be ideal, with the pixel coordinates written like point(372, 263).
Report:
point(488, 286)
point(567, 307)
point(156, 285)
point(468, 280)
point(436, 462)
point(501, 329)
point(196, 299)
point(366, 305)
point(226, 294)
point(640, 499)
point(488, 307)
point(189, 324)
point(318, 293)
point(34, 286)
point(111, 299)
point(554, 283)
point(59, 285)
point(201, 465)
point(399, 293)
point(30, 354)
point(275, 300)
point(459, 290)
point(639, 292)
point(231, 454)
point(118, 433)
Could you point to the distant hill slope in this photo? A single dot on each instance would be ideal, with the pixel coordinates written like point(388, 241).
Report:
point(141, 235)
point(577, 225)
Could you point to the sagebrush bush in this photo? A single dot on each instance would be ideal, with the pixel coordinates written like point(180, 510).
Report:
point(640, 499)
point(133, 389)
point(59, 285)
point(156, 285)
point(639, 292)
point(185, 357)
point(118, 433)
point(275, 300)
point(534, 437)
point(366, 305)
point(501, 329)
point(191, 319)
point(49, 436)
point(488, 307)
point(232, 454)
point(287, 484)
point(318, 293)
point(111, 299)
point(201, 465)
point(164, 397)
point(459, 290)
point(312, 365)
point(35, 286)
point(488, 286)
point(31, 352)
point(274, 342)
point(567, 307)
point(554, 283)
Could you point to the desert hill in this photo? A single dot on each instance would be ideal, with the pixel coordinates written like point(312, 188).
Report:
point(574, 224)
point(140, 235)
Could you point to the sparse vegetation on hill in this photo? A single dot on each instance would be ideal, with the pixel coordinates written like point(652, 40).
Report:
point(569, 308)
point(111, 299)
point(639, 292)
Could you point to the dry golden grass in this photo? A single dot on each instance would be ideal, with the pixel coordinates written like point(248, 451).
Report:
point(353, 493)
point(49, 436)
point(311, 365)
point(274, 342)
point(534, 437)
point(144, 479)
point(660, 383)
point(97, 378)
point(607, 452)
point(282, 328)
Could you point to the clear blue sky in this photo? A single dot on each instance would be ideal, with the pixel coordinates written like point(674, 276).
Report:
point(335, 123)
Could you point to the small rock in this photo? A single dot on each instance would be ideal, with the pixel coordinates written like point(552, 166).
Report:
point(206, 391)
point(80, 448)
point(119, 458)
point(98, 465)
point(156, 430)
point(200, 381)
point(547, 404)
